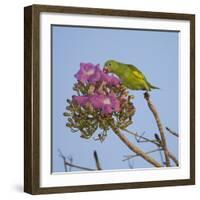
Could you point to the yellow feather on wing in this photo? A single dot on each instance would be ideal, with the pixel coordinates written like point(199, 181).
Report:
point(138, 75)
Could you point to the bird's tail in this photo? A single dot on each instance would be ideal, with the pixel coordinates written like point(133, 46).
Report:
point(152, 86)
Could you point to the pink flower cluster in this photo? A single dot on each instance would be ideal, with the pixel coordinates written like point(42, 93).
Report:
point(91, 74)
point(106, 103)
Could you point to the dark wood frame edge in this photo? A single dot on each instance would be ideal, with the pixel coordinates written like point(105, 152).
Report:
point(31, 98)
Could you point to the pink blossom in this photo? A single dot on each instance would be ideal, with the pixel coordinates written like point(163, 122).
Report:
point(107, 103)
point(109, 79)
point(81, 100)
point(91, 73)
point(88, 73)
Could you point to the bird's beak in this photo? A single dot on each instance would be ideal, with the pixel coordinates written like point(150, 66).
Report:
point(105, 69)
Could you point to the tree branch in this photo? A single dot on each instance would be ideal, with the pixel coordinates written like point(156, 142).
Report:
point(153, 142)
point(128, 157)
point(159, 125)
point(79, 167)
point(134, 148)
point(98, 165)
point(142, 137)
point(173, 158)
point(66, 163)
point(64, 159)
point(172, 132)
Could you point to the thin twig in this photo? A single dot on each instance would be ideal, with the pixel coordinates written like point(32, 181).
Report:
point(64, 159)
point(160, 127)
point(173, 158)
point(79, 167)
point(142, 137)
point(71, 161)
point(131, 164)
point(66, 163)
point(172, 132)
point(161, 156)
point(101, 136)
point(97, 162)
point(153, 142)
point(136, 155)
point(134, 148)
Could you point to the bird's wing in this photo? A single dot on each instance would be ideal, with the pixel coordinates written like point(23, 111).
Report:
point(136, 72)
point(138, 75)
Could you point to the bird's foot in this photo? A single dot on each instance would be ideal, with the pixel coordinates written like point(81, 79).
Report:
point(146, 95)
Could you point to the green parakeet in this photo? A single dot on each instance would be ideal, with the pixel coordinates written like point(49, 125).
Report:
point(130, 76)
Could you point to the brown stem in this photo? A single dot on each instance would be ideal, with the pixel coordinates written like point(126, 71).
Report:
point(141, 137)
point(159, 125)
point(64, 159)
point(172, 132)
point(173, 158)
point(135, 149)
point(128, 157)
point(153, 142)
point(97, 162)
point(66, 163)
point(79, 167)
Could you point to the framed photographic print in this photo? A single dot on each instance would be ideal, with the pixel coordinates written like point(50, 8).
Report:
point(109, 99)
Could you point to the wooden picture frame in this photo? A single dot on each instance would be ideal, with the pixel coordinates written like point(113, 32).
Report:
point(32, 92)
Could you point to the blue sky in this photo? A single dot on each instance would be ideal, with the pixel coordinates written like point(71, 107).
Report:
point(155, 53)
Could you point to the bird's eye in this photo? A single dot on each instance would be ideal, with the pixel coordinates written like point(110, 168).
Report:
point(109, 64)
